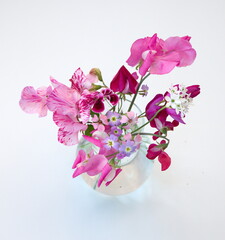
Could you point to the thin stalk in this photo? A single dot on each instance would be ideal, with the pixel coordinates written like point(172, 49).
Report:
point(135, 95)
point(149, 120)
point(152, 134)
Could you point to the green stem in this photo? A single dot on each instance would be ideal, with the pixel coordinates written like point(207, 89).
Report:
point(111, 154)
point(149, 120)
point(135, 95)
point(152, 134)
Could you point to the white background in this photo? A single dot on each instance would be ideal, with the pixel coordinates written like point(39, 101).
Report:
point(38, 197)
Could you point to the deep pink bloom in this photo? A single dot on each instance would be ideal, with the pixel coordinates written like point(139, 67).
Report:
point(165, 160)
point(157, 56)
point(35, 101)
point(153, 106)
point(193, 90)
point(124, 82)
point(161, 123)
point(158, 151)
point(92, 165)
point(153, 151)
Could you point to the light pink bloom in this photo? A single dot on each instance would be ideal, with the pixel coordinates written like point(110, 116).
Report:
point(35, 101)
point(130, 118)
point(99, 122)
point(64, 100)
point(92, 166)
point(69, 128)
point(157, 56)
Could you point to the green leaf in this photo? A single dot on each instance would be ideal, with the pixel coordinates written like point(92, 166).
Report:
point(89, 130)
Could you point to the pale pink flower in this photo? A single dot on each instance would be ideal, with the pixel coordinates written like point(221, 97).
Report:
point(35, 101)
point(99, 122)
point(130, 118)
point(157, 56)
point(64, 100)
point(69, 127)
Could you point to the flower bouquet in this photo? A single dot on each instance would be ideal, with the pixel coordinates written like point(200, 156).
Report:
point(104, 115)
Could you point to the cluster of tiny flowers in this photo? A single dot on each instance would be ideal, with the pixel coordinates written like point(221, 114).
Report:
point(119, 138)
point(178, 99)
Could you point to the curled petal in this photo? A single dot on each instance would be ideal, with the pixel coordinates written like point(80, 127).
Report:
point(98, 106)
point(165, 160)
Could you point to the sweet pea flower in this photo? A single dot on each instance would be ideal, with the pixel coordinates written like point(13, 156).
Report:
point(153, 106)
point(35, 101)
point(108, 174)
point(124, 82)
point(69, 127)
point(161, 123)
point(92, 165)
point(64, 100)
point(157, 56)
point(158, 151)
point(193, 90)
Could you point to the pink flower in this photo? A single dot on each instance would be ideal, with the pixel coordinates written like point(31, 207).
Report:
point(193, 90)
point(124, 82)
point(165, 160)
point(108, 174)
point(64, 100)
point(161, 123)
point(35, 101)
point(157, 56)
point(130, 118)
point(80, 82)
point(158, 151)
point(69, 127)
point(92, 165)
point(153, 106)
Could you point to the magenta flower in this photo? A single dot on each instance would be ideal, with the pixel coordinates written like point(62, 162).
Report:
point(124, 82)
point(161, 123)
point(99, 101)
point(157, 56)
point(193, 90)
point(153, 106)
point(165, 160)
point(158, 151)
point(108, 174)
point(92, 165)
point(154, 150)
point(35, 101)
